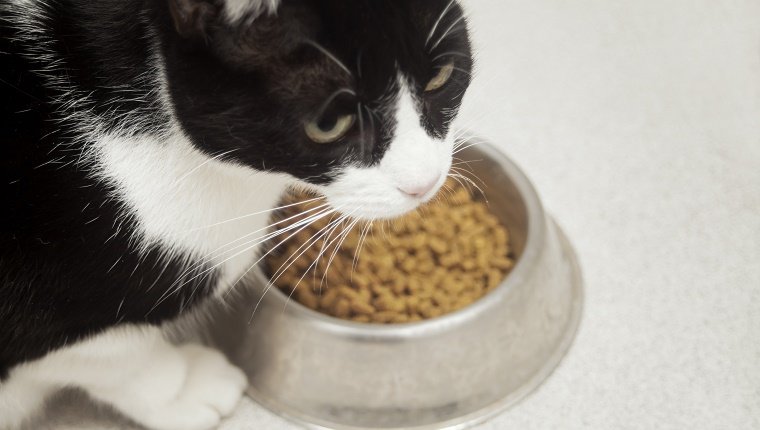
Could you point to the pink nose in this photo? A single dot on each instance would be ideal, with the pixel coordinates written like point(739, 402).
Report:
point(418, 189)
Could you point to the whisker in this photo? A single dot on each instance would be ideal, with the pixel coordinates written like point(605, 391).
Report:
point(344, 235)
point(175, 288)
point(329, 55)
point(292, 260)
point(254, 214)
point(470, 145)
point(267, 236)
point(214, 158)
point(471, 182)
point(450, 54)
point(311, 268)
point(272, 249)
point(305, 246)
point(357, 252)
point(448, 30)
point(371, 117)
point(332, 97)
point(455, 68)
point(468, 173)
point(438, 21)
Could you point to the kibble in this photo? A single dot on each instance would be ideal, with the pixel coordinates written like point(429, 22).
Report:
point(436, 260)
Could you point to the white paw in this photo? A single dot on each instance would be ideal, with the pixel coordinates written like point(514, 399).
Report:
point(211, 390)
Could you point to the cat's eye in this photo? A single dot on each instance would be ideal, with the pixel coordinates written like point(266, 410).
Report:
point(443, 76)
point(328, 130)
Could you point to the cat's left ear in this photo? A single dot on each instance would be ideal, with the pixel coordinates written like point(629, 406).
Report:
point(193, 17)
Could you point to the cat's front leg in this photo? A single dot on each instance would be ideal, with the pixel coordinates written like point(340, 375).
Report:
point(168, 387)
point(155, 383)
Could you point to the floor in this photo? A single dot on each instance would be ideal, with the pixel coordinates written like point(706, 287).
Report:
point(639, 123)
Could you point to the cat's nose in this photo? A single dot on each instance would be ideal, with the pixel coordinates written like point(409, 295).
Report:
point(419, 189)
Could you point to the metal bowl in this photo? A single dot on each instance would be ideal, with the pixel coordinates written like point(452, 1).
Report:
point(448, 372)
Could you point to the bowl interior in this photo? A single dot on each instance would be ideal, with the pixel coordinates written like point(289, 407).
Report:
point(504, 200)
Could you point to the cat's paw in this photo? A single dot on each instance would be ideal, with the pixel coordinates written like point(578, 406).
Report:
point(211, 390)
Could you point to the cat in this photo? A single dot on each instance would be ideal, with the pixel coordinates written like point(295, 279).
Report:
point(144, 145)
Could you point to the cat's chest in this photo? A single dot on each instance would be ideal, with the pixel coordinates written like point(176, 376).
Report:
point(190, 203)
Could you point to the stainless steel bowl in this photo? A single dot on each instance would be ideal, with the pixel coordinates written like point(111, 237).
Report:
point(448, 372)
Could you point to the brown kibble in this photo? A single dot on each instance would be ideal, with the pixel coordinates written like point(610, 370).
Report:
point(494, 278)
point(307, 298)
point(362, 308)
point(421, 266)
point(342, 308)
point(502, 263)
point(438, 245)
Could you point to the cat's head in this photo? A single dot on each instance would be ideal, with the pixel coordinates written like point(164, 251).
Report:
point(353, 97)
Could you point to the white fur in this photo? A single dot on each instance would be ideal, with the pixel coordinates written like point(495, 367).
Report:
point(235, 10)
point(137, 371)
point(413, 161)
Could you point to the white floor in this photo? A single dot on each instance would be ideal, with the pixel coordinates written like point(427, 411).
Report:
point(639, 123)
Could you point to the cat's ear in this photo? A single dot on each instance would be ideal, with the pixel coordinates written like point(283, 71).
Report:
point(248, 10)
point(192, 17)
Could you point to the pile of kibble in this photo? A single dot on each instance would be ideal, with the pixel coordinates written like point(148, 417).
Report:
point(433, 261)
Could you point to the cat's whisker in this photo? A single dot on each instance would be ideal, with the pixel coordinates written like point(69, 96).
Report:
point(459, 69)
point(472, 177)
point(450, 54)
point(244, 238)
point(174, 287)
point(193, 170)
point(465, 162)
point(438, 21)
point(360, 116)
point(332, 97)
point(293, 258)
point(326, 243)
point(471, 182)
point(272, 249)
point(269, 284)
point(470, 145)
point(346, 231)
point(371, 117)
point(319, 256)
point(469, 173)
point(303, 248)
point(205, 273)
point(359, 63)
point(254, 214)
point(329, 55)
point(448, 30)
point(322, 251)
point(357, 252)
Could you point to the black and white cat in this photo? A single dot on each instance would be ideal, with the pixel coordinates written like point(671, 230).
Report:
point(143, 144)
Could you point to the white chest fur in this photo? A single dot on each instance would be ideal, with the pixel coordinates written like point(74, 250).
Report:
point(186, 201)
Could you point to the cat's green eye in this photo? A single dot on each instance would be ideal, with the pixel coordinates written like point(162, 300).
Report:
point(443, 76)
point(321, 131)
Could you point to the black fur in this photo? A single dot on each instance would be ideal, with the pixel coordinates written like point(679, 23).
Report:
point(68, 268)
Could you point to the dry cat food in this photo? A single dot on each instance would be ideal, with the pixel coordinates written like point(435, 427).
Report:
point(436, 260)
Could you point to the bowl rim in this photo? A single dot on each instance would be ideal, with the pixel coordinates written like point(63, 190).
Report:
point(524, 266)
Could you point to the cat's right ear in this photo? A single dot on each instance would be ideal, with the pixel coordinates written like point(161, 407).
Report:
point(193, 17)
